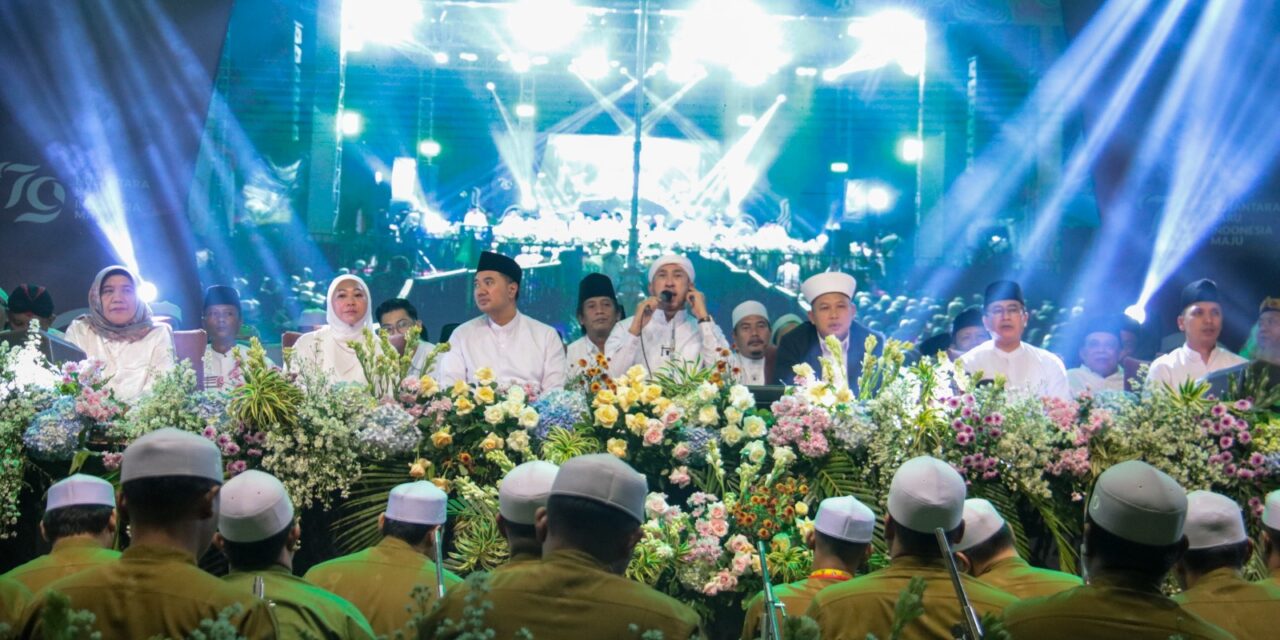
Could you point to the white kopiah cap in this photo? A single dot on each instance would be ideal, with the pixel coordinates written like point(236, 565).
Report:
point(829, 282)
point(603, 478)
point(1139, 503)
point(748, 309)
point(524, 489)
point(926, 493)
point(80, 490)
point(1213, 520)
point(845, 518)
point(675, 259)
point(417, 503)
point(170, 452)
point(981, 521)
point(255, 506)
point(1271, 510)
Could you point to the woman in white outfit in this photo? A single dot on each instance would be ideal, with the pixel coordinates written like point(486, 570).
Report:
point(328, 348)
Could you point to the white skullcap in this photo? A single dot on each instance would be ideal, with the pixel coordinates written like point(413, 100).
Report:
point(748, 309)
point(1271, 510)
point(524, 489)
point(603, 478)
point(829, 282)
point(80, 490)
point(170, 452)
point(675, 259)
point(255, 506)
point(926, 493)
point(1213, 520)
point(1139, 503)
point(981, 521)
point(845, 518)
point(418, 502)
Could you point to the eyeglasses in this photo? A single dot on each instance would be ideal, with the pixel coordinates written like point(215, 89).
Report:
point(1011, 310)
point(401, 326)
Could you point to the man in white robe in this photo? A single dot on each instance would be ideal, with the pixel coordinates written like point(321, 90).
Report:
point(222, 320)
point(1026, 369)
point(751, 348)
point(1200, 321)
point(671, 326)
point(598, 312)
point(517, 348)
point(1099, 368)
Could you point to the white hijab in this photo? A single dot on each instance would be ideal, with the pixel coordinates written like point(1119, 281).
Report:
point(340, 330)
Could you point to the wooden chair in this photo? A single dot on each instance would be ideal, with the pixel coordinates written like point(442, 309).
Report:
point(190, 346)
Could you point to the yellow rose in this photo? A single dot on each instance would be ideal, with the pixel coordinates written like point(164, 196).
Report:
point(441, 484)
point(844, 396)
point(661, 405)
point(652, 393)
point(802, 509)
point(604, 397)
point(484, 395)
point(442, 438)
point(617, 447)
point(606, 415)
point(636, 373)
point(484, 375)
point(636, 423)
point(463, 406)
point(460, 388)
point(491, 442)
point(494, 415)
point(708, 415)
point(633, 396)
point(418, 468)
point(428, 386)
point(731, 435)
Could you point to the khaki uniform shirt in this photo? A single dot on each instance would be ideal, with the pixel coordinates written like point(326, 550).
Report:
point(518, 561)
point(1016, 577)
point(1101, 611)
point(794, 596)
point(1275, 577)
point(68, 557)
point(379, 581)
point(568, 595)
point(153, 591)
point(1248, 610)
point(851, 610)
point(302, 609)
point(13, 598)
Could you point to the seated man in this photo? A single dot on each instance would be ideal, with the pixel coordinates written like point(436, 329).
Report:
point(223, 319)
point(1133, 535)
point(753, 356)
point(1271, 535)
point(598, 312)
point(1026, 368)
point(396, 317)
point(524, 490)
point(1099, 368)
point(967, 332)
point(30, 302)
point(1200, 321)
point(988, 553)
point(80, 522)
point(1264, 348)
point(831, 313)
point(1211, 571)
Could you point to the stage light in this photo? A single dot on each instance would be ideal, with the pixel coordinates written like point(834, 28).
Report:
point(592, 64)
point(1137, 312)
point(377, 177)
point(746, 120)
point(467, 56)
point(879, 199)
point(383, 21)
point(404, 179)
point(441, 57)
point(490, 86)
point(525, 110)
point(352, 123)
point(839, 167)
point(751, 51)
point(886, 37)
point(911, 149)
point(782, 97)
point(147, 292)
point(429, 148)
point(806, 72)
point(520, 63)
point(544, 25)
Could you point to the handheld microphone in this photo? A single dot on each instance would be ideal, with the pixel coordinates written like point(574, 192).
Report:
point(667, 296)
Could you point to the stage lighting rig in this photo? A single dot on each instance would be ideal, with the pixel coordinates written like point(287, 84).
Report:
point(429, 148)
point(752, 50)
point(592, 64)
point(892, 36)
point(544, 25)
point(381, 21)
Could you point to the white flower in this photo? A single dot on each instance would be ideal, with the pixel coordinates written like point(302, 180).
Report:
point(783, 456)
point(528, 418)
point(733, 415)
point(741, 398)
point(494, 414)
point(754, 452)
point(803, 370)
point(754, 426)
point(707, 392)
point(515, 395)
point(518, 441)
point(731, 435)
point(708, 415)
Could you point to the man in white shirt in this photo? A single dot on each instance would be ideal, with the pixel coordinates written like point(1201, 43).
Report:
point(517, 348)
point(1201, 323)
point(1026, 369)
point(662, 330)
point(222, 320)
point(598, 312)
point(753, 356)
point(396, 317)
point(788, 276)
point(1100, 350)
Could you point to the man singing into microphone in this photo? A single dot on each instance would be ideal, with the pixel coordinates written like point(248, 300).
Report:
point(662, 330)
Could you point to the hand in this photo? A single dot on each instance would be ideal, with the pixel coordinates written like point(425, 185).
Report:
point(644, 312)
point(697, 301)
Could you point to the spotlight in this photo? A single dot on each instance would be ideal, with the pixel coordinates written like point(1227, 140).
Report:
point(429, 148)
point(525, 110)
point(544, 25)
point(490, 86)
point(520, 63)
point(746, 120)
point(752, 50)
point(886, 37)
point(147, 292)
point(404, 179)
point(839, 167)
point(467, 56)
point(806, 72)
point(782, 97)
point(879, 199)
point(592, 64)
point(911, 149)
point(441, 57)
point(1137, 312)
point(384, 21)
point(352, 124)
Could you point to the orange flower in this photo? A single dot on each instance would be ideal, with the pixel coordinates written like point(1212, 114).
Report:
point(762, 533)
point(789, 512)
point(464, 458)
point(803, 489)
point(595, 387)
point(582, 362)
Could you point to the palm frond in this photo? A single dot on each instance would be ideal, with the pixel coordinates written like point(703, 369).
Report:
point(356, 524)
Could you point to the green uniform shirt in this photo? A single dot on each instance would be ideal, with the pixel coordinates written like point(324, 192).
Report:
point(379, 581)
point(13, 598)
point(1248, 610)
point(302, 609)
point(68, 557)
point(851, 610)
point(795, 596)
point(1101, 611)
point(1015, 576)
point(569, 595)
point(153, 591)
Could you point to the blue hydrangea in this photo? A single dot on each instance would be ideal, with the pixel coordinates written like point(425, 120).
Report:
point(558, 408)
point(212, 405)
point(389, 430)
point(54, 434)
point(699, 439)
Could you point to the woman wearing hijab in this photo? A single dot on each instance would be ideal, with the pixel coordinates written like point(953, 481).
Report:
point(119, 331)
point(328, 348)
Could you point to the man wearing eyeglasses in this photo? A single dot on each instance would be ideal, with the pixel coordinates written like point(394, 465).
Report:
point(1025, 368)
point(396, 317)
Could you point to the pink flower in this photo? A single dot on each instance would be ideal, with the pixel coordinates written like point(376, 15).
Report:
point(994, 432)
point(653, 437)
point(1219, 410)
point(1244, 437)
point(720, 528)
point(990, 475)
point(953, 403)
point(1243, 405)
point(1257, 459)
point(111, 461)
point(997, 419)
point(1226, 456)
point(1244, 474)
point(957, 425)
point(236, 467)
point(967, 412)
point(254, 453)
point(963, 438)
point(680, 477)
point(681, 451)
point(1226, 441)
point(1230, 469)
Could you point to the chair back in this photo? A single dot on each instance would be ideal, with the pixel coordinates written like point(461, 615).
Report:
point(190, 346)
